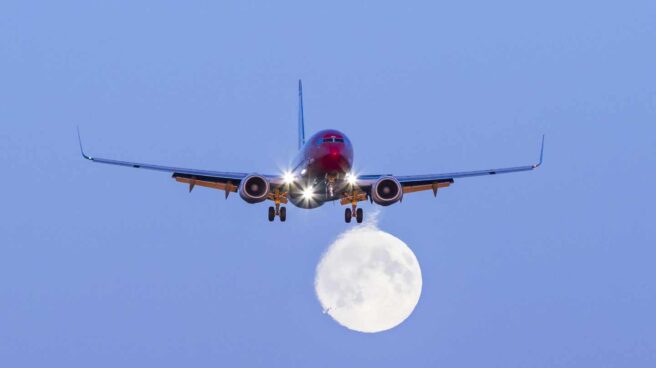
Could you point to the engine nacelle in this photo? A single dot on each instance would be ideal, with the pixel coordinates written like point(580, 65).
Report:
point(387, 190)
point(254, 188)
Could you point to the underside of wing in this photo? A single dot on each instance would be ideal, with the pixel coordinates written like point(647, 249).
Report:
point(226, 181)
point(227, 184)
point(410, 187)
point(416, 183)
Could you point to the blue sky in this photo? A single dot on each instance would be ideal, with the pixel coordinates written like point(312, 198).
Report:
point(109, 266)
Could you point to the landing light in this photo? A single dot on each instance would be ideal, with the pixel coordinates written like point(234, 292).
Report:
point(351, 178)
point(308, 193)
point(288, 177)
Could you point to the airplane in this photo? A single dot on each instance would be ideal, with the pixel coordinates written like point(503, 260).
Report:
point(321, 172)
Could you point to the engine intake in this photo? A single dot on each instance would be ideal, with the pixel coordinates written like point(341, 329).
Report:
point(386, 191)
point(254, 188)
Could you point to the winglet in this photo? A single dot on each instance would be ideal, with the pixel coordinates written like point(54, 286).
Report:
point(79, 139)
point(541, 154)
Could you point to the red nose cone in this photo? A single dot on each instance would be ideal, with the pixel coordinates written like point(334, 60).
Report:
point(333, 159)
point(329, 152)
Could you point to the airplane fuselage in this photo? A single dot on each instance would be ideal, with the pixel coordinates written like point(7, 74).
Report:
point(321, 169)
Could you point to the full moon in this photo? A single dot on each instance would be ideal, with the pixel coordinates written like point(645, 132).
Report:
point(368, 280)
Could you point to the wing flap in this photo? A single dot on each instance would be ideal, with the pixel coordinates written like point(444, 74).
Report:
point(208, 182)
point(409, 188)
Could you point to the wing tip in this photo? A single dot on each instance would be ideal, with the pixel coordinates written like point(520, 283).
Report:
point(79, 139)
point(541, 154)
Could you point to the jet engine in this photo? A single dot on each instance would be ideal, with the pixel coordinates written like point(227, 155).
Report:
point(387, 190)
point(254, 188)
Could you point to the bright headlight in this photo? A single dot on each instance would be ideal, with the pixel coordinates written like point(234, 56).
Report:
point(288, 177)
point(308, 193)
point(351, 178)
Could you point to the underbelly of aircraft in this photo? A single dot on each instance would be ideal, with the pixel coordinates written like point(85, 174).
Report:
point(299, 196)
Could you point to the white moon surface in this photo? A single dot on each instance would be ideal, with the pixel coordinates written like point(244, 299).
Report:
point(368, 280)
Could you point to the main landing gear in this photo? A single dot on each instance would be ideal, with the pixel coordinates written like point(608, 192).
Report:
point(354, 197)
point(280, 212)
point(355, 212)
point(277, 210)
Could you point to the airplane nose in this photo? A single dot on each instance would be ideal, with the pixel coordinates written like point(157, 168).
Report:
point(333, 158)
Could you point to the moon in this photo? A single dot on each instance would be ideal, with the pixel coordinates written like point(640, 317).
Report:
point(368, 280)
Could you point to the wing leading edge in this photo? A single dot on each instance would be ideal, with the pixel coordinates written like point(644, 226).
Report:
point(228, 181)
point(415, 183)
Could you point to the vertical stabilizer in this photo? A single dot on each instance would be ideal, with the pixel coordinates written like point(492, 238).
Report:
point(301, 122)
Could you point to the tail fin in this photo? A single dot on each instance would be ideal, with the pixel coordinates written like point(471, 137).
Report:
point(301, 122)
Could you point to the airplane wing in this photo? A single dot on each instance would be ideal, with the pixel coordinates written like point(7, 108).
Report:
point(227, 181)
point(416, 183)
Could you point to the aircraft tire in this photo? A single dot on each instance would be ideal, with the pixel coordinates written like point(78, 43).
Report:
point(359, 215)
point(272, 213)
point(348, 215)
point(283, 214)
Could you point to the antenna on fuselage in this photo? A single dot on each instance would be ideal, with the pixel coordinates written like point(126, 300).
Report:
point(301, 122)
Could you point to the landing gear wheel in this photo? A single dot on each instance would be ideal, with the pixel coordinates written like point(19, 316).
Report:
point(359, 215)
point(283, 214)
point(348, 215)
point(272, 213)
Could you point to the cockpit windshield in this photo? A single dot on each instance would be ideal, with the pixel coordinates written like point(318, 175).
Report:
point(331, 140)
